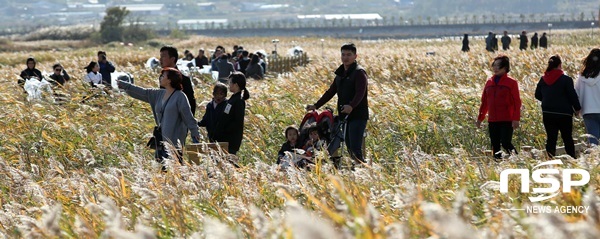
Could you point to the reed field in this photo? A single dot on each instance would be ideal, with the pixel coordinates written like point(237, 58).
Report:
point(81, 169)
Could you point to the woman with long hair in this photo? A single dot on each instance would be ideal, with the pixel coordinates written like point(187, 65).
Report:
point(588, 90)
point(171, 110)
point(559, 102)
point(231, 124)
point(93, 76)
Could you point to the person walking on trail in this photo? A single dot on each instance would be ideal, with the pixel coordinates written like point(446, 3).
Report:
point(588, 91)
point(559, 102)
point(544, 41)
point(171, 111)
point(489, 42)
point(523, 41)
point(501, 102)
point(168, 58)
point(505, 41)
point(534, 41)
point(350, 85)
point(465, 44)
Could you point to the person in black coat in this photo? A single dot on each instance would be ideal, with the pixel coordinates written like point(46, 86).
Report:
point(505, 41)
point(465, 43)
point(60, 75)
point(168, 58)
point(534, 41)
point(559, 102)
point(291, 135)
point(544, 41)
point(231, 126)
point(214, 109)
point(106, 67)
point(30, 72)
point(523, 41)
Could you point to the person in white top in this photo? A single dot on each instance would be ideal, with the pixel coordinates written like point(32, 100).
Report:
point(93, 76)
point(588, 91)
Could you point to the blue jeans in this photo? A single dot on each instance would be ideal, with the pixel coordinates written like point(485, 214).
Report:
point(592, 126)
point(355, 129)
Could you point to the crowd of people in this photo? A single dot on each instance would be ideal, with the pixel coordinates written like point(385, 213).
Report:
point(174, 104)
point(252, 65)
point(561, 99)
point(491, 41)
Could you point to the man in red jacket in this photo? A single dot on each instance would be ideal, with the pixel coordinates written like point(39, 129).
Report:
point(501, 101)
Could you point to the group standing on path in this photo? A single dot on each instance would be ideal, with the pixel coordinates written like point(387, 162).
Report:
point(561, 99)
point(491, 42)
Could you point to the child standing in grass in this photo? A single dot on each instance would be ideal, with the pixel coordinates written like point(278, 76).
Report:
point(502, 103)
point(291, 135)
point(214, 109)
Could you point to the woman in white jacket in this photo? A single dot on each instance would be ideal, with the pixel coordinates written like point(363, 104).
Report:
point(93, 76)
point(588, 90)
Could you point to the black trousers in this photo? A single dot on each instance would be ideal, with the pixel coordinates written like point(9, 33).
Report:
point(501, 134)
point(553, 123)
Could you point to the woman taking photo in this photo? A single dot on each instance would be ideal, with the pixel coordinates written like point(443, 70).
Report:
point(588, 90)
point(171, 111)
point(559, 101)
point(231, 125)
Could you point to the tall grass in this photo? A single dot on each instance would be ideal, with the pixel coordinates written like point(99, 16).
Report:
point(80, 170)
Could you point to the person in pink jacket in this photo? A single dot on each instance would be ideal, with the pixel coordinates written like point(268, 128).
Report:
point(502, 104)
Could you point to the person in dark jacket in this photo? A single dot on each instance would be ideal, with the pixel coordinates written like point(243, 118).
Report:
point(168, 58)
point(505, 41)
point(544, 41)
point(60, 75)
point(534, 41)
point(231, 126)
point(502, 103)
point(30, 72)
point(559, 100)
point(291, 135)
point(494, 42)
point(350, 85)
point(201, 59)
point(225, 68)
point(243, 61)
point(214, 109)
point(465, 44)
point(523, 41)
point(106, 67)
point(489, 42)
point(254, 69)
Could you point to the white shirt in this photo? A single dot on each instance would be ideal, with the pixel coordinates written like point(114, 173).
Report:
point(588, 91)
point(94, 78)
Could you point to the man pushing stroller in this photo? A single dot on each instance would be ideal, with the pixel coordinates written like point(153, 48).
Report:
point(350, 85)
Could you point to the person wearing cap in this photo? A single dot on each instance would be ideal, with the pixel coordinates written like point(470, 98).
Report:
point(170, 108)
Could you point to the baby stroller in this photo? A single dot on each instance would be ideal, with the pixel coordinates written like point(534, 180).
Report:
point(330, 130)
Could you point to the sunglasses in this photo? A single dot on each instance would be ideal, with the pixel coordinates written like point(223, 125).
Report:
point(57, 69)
